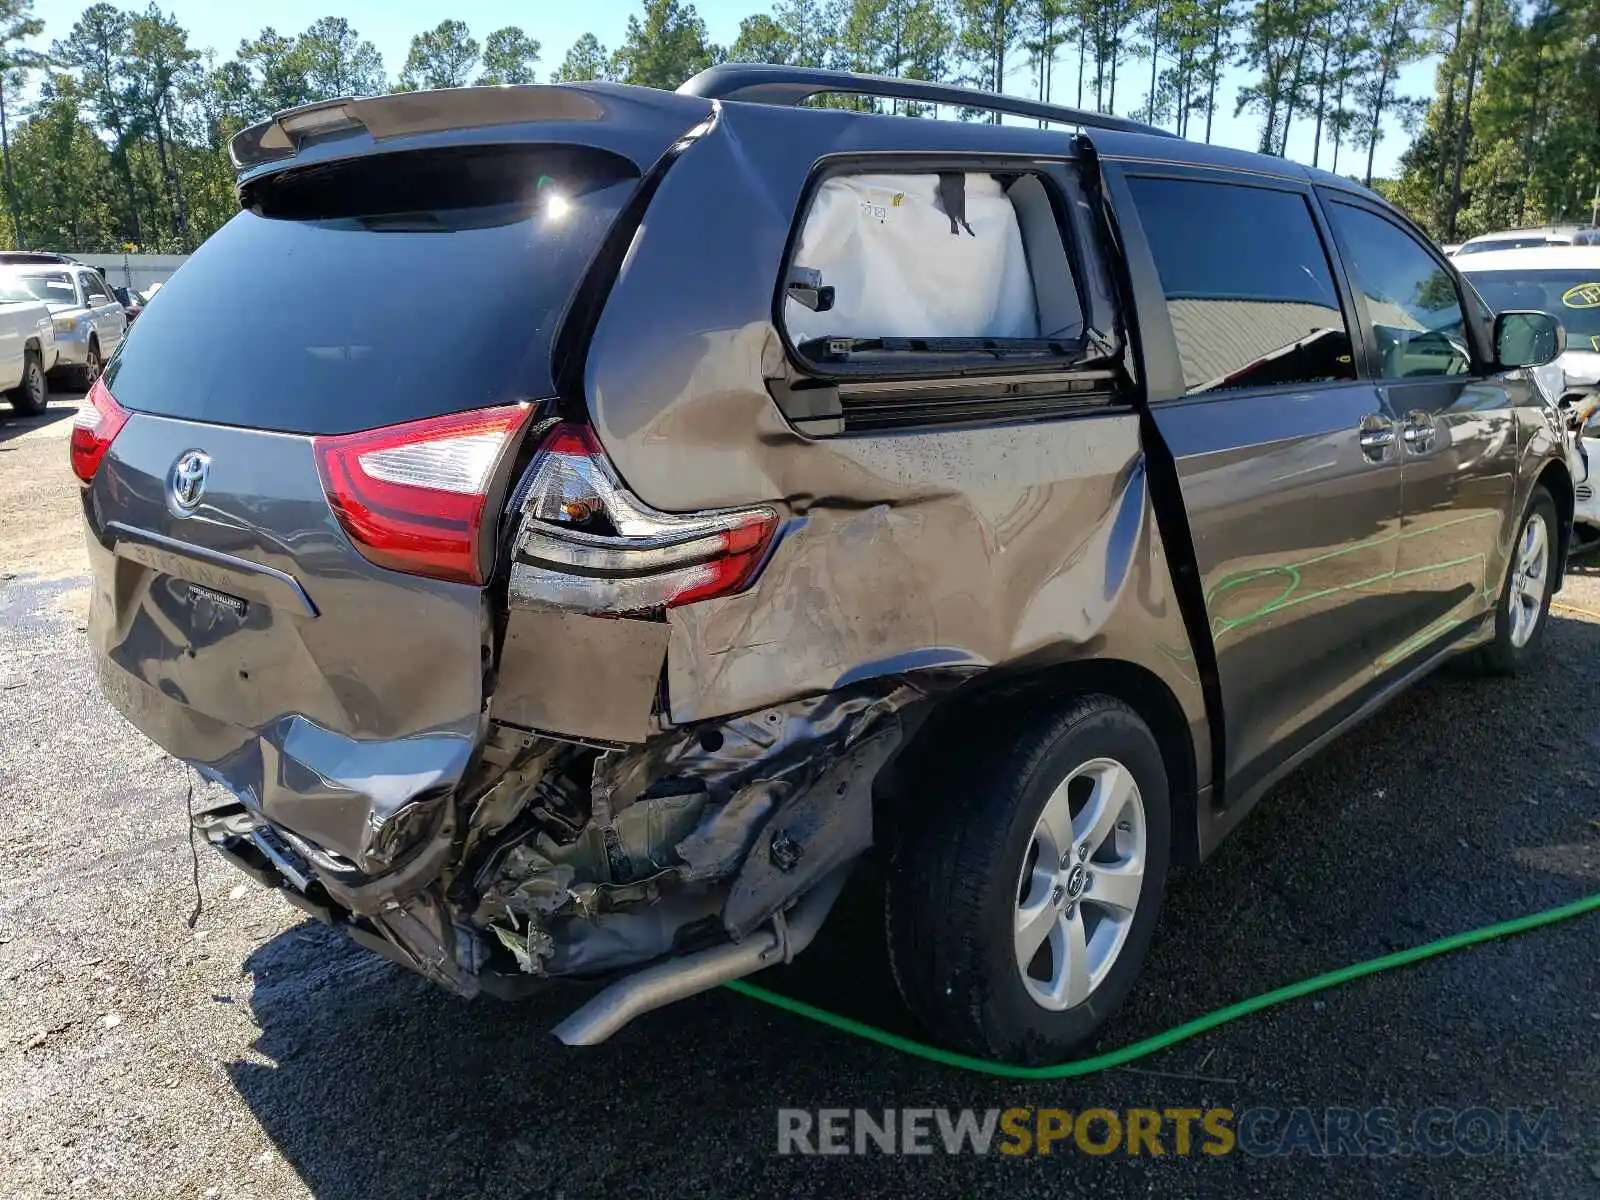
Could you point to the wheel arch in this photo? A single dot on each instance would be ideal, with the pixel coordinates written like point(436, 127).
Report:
point(1556, 480)
point(994, 701)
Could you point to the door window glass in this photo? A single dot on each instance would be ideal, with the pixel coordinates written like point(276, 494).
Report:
point(1247, 282)
point(1417, 322)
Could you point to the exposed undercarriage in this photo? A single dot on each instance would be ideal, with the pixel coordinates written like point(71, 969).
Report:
point(560, 859)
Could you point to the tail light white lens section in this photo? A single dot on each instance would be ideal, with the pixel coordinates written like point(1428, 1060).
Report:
point(586, 544)
point(94, 429)
point(412, 497)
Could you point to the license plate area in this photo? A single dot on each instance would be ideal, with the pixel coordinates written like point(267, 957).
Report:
point(212, 570)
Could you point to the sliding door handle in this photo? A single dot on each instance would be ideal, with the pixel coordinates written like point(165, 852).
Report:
point(1376, 434)
point(1418, 431)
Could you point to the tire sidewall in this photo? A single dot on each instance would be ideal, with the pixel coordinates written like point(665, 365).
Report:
point(1512, 656)
point(1111, 733)
point(33, 381)
point(26, 399)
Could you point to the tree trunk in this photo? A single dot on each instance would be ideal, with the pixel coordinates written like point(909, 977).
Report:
point(180, 216)
point(1044, 41)
point(1449, 121)
point(1466, 121)
point(1099, 60)
point(999, 63)
point(1322, 94)
point(1083, 43)
point(1180, 117)
point(1116, 54)
point(1269, 80)
point(119, 155)
point(1155, 58)
point(1381, 99)
point(1214, 69)
point(1338, 108)
point(1289, 96)
point(1378, 105)
point(11, 188)
point(161, 155)
point(1532, 128)
point(1054, 51)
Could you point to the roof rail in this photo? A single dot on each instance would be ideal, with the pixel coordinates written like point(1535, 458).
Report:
point(759, 83)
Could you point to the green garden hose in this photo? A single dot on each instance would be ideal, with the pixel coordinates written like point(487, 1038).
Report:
point(1189, 1029)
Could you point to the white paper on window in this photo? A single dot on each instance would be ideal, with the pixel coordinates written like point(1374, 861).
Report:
point(883, 243)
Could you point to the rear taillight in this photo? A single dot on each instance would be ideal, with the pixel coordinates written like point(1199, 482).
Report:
point(413, 497)
point(94, 429)
point(587, 544)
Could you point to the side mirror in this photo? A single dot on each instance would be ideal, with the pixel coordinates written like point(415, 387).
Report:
point(1527, 339)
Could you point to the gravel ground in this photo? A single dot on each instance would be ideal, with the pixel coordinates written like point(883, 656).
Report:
point(260, 1055)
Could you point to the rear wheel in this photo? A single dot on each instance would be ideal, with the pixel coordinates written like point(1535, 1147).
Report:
point(1524, 607)
point(31, 396)
point(1022, 904)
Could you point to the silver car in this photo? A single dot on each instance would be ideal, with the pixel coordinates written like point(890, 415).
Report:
point(89, 322)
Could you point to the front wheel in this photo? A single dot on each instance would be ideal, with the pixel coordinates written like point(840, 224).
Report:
point(1524, 607)
point(31, 396)
point(1022, 903)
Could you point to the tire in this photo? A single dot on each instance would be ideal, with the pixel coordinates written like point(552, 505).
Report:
point(972, 874)
point(32, 396)
point(90, 370)
point(1520, 617)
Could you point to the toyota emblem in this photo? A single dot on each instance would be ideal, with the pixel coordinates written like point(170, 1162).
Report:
point(189, 480)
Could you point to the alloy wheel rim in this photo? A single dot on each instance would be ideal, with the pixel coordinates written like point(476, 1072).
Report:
point(1530, 576)
point(92, 365)
point(1080, 884)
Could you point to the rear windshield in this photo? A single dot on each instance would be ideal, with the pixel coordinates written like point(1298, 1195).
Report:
point(1572, 297)
point(377, 290)
point(54, 287)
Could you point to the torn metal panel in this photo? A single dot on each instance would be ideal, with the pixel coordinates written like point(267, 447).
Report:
point(577, 883)
point(816, 831)
point(371, 895)
point(424, 931)
point(587, 946)
point(719, 846)
point(580, 675)
point(756, 745)
point(559, 859)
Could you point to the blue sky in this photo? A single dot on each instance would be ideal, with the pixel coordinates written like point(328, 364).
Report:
point(221, 24)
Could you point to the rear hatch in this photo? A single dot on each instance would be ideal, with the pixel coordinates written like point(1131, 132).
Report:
point(295, 465)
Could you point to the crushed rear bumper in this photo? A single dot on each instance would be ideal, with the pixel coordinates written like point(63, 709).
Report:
point(558, 860)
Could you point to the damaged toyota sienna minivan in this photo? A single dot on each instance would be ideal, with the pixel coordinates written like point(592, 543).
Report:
point(622, 510)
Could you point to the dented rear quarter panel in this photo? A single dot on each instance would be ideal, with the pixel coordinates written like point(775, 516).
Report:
point(1006, 545)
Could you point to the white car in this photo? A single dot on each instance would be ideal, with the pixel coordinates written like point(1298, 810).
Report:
point(1565, 282)
point(1525, 239)
point(27, 349)
point(89, 322)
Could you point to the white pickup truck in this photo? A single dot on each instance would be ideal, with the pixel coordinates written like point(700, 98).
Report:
point(27, 349)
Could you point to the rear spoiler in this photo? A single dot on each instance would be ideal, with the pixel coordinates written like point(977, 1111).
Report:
point(634, 118)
